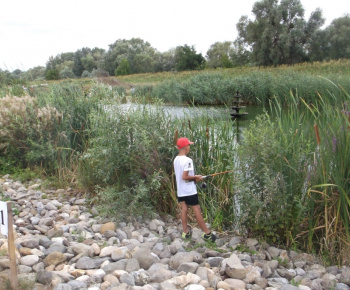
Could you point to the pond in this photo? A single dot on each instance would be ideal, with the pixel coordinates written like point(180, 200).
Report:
point(219, 114)
point(215, 113)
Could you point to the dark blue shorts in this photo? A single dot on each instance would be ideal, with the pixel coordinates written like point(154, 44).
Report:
point(189, 200)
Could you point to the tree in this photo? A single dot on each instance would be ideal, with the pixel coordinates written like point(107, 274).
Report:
point(52, 74)
point(339, 41)
point(88, 62)
point(164, 61)
point(278, 34)
point(319, 46)
point(66, 73)
point(128, 49)
point(186, 58)
point(143, 63)
point(123, 68)
point(79, 55)
point(219, 54)
point(239, 55)
point(34, 73)
point(59, 59)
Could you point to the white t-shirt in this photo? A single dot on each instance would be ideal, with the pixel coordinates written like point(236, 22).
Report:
point(184, 187)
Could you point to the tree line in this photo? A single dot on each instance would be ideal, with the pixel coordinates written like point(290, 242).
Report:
point(277, 34)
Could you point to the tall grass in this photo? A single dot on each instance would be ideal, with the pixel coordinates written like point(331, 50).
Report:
point(127, 153)
point(257, 87)
point(213, 151)
point(329, 196)
point(295, 175)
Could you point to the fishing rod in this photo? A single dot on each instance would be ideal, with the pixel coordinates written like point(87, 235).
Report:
point(214, 174)
point(204, 185)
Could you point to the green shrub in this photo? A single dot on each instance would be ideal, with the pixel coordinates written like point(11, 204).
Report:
point(128, 202)
point(28, 132)
point(274, 167)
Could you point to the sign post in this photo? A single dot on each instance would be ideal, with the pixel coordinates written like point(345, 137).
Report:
point(6, 227)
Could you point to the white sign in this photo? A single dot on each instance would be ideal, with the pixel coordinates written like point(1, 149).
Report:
point(4, 226)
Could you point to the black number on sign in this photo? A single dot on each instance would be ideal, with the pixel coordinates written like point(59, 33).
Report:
point(2, 217)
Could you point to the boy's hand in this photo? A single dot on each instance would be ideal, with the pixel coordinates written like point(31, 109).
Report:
point(198, 178)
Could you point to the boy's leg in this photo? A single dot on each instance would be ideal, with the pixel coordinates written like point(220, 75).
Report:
point(199, 218)
point(184, 210)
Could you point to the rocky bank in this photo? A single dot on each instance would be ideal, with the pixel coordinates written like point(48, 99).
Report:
point(62, 243)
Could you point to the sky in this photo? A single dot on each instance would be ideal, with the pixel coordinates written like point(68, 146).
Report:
point(33, 30)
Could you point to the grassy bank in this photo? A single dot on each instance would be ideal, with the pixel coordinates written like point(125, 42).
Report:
point(257, 85)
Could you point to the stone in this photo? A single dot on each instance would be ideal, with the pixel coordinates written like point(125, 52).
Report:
point(63, 286)
point(111, 267)
point(5, 263)
point(250, 242)
point(341, 286)
point(30, 243)
point(54, 258)
point(132, 265)
point(29, 260)
point(50, 206)
point(108, 226)
point(234, 268)
point(144, 257)
point(215, 261)
point(179, 258)
point(97, 276)
point(235, 241)
point(86, 263)
point(82, 248)
point(127, 279)
point(289, 287)
point(45, 277)
point(289, 274)
point(161, 276)
point(236, 284)
point(109, 233)
point(274, 252)
point(188, 267)
point(345, 276)
point(194, 287)
point(75, 284)
point(34, 220)
point(120, 253)
point(223, 285)
point(121, 235)
point(107, 251)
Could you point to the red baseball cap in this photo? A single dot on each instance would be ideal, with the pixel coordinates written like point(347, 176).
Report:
point(183, 142)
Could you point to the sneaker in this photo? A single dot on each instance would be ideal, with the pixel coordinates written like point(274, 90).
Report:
point(209, 237)
point(186, 236)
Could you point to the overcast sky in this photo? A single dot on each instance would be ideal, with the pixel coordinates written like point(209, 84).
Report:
point(33, 30)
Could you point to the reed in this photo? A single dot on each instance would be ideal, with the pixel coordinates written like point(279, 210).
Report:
point(329, 196)
point(257, 87)
point(125, 152)
point(295, 185)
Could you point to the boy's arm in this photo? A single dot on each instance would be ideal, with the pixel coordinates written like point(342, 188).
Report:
point(196, 178)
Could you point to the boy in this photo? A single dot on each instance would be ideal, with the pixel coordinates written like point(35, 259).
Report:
point(187, 190)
